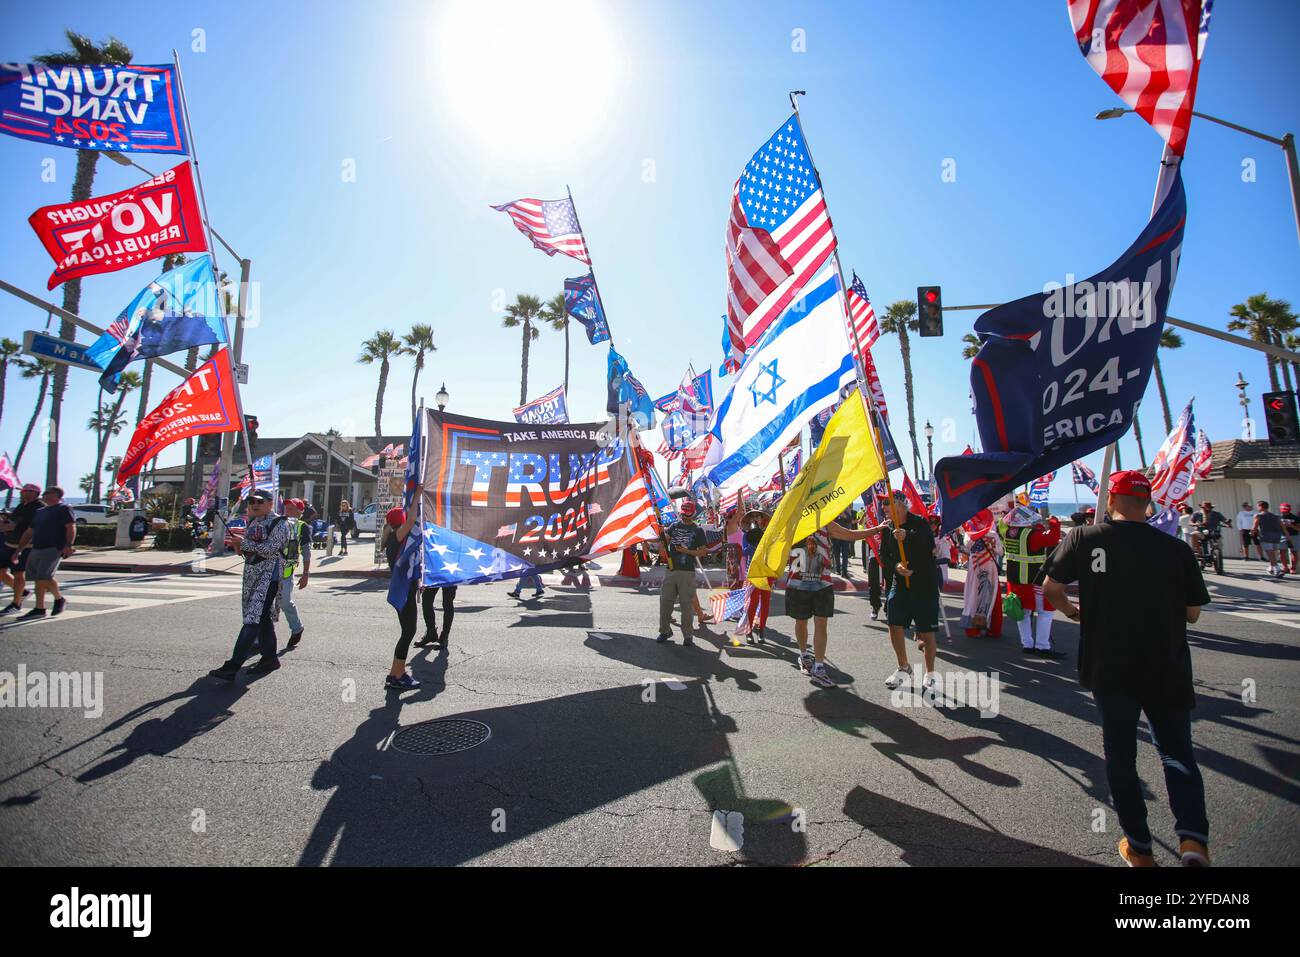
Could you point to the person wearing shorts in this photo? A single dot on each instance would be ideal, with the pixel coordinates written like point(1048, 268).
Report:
point(51, 536)
point(1245, 530)
point(13, 555)
point(1290, 538)
point(1267, 531)
point(809, 594)
point(914, 596)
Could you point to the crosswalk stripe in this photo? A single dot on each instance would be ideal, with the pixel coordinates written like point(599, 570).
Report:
point(142, 590)
point(1288, 621)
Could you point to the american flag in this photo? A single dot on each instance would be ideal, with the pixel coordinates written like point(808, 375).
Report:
point(1204, 454)
point(1174, 468)
point(668, 452)
point(1083, 475)
point(631, 520)
point(779, 235)
point(730, 500)
point(1149, 52)
point(552, 225)
point(865, 328)
point(727, 605)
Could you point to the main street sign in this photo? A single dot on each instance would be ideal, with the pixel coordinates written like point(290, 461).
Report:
point(58, 350)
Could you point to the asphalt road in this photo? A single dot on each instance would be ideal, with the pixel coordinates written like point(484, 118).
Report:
point(605, 747)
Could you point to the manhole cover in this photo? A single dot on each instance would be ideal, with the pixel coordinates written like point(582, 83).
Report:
point(444, 736)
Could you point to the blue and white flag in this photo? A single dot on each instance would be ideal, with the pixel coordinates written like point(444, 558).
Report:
point(550, 409)
point(1060, 373)
point(179, 310)
point(1040, 488)
point(266, 477)
point(790, 375)
point(582, 302)
point(623, 387)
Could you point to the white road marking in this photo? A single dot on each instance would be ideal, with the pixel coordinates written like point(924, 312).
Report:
point(1288, 621)
point(133, 594)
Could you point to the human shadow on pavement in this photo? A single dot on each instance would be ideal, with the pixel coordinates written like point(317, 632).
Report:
point(927, 839)
point(545, 763)
point(1230, 645)
point(670, 658)
point(556, 610)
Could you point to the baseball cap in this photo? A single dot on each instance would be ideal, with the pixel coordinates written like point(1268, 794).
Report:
point(1285, 508)
point(1130, 482)
point(395, 517)
point(258, 497)
point(297, 503)
point(31, 487)
point(687, 507)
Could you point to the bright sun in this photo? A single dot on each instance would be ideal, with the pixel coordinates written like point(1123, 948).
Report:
point(536, 73)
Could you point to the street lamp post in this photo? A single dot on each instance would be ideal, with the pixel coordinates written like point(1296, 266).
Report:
point(929, 447)
point(1286, 141)
point(442, 398)
point(1247, 426)
point(329, 460)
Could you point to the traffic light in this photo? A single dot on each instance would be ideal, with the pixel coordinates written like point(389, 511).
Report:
point(929, 304)
point(250, 426)
point(209, 446)
point(1280, 415)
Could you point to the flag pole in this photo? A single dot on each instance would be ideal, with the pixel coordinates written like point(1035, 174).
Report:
point(868, 407)
point(590, 267)
point(212, 260)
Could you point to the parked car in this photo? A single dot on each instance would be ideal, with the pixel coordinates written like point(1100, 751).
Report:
point(367, 518)
point(94, 514)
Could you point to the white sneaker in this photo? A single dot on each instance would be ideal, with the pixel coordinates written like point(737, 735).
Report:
point(931, 682)
point(806, 662)
point(820, 677)
point(898, 677)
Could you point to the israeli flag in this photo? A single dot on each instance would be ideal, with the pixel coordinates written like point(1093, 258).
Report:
point(793, 373)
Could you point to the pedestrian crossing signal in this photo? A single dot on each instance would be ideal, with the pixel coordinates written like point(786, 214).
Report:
point(1280, 415)
point(929, 304)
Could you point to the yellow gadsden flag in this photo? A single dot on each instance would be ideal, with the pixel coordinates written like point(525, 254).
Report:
point(843, 467)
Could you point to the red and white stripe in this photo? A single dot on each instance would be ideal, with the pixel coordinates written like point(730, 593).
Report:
point(1148, 52)
point(527, 216)
point(631, 520)
point(756, 293)
point(1174, 467)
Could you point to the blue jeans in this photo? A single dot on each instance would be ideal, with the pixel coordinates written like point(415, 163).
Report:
point(1171, 733)
point(289, 606)
point(534, 580)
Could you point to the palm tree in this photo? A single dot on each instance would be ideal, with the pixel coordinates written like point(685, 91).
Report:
point(108, 421)
point(1137, 434)
point(524, 312)
point(1292, 342)
point(44, 370)
point(901, 317)
point(87, 483)
point(1263, 318)
point(553, 311)
point(380, 348)
point(84, 52)
point(972, 346)
point(9, 351)
point(1168, 340)
point(416, 343)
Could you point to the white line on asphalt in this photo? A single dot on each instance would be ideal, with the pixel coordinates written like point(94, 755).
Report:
point(1289, 621)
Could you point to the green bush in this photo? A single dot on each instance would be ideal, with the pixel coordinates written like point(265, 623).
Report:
point(94, 536)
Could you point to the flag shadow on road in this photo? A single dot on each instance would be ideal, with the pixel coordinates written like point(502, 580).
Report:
point(670, 658)
point(927, 839)
point(545, 763)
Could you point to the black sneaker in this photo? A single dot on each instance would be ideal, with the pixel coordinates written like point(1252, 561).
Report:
point(58, 606)
point(10, 609)
point(512, 594)
point(442, 639)
point(32, 615)
point(294, 639)
point(1049, 653)
point(761, 636)
point(426, 641)
point(688, 642)
point(263, 666)
point(662, 638)
point(223, 674)
point(404, 683)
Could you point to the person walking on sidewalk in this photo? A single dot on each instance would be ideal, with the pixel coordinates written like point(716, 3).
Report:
point(1245, 530)
point(686, 543)
point(262, 546)
point(50, 536)
point(534, 580)
point(298, 549)
point(1290, 538)
point(346, 522)
point(1139, 589)
point(1267, 533)
point(13, 554)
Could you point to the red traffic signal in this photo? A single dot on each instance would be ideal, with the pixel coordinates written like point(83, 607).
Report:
point(929, 300)
point(1281, 419)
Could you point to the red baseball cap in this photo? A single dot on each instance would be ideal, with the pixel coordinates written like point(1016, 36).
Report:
point(1130, 482)
point(687, 507)
point(395, 517)
point(297, 503)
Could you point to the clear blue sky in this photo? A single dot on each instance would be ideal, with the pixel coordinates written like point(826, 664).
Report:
point(649, 111)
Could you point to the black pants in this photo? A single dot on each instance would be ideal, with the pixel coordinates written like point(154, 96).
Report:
point(875, 572)
point(448, 609)
point(263, 631)
point(842, 552)
point(406, 617)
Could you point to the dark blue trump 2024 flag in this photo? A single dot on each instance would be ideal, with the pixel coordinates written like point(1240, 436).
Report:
point(1059, 374)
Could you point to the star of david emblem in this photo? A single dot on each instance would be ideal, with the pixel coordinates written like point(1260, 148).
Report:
point(766, 369)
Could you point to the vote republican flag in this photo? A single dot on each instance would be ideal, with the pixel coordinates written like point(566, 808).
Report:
point(203, 403)
point(107, 233)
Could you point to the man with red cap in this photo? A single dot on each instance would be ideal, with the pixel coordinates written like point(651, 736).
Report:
point(1138, 591)
point(1026, 542)
point(686, 543)
point(299, 547)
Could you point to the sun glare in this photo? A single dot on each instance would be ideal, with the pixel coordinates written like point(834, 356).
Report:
point(540, 73)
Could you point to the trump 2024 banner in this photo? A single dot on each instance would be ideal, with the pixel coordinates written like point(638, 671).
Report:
point(1060, 374)
point(550, 409)
point(157, 218)
point(127, 109)
point(203, 403)
point(503, 500)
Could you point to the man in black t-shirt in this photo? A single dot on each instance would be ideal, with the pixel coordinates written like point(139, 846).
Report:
point(13, 554)
point(914, 594)
point(686, 543)
point(1139, 588)
point(52, 534)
